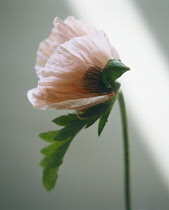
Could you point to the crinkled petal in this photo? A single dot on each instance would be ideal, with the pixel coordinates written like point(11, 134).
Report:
point(60, 34)
point(61, 84)
point(63, 31)
point(45, 50)
point(80, 27)
point(78, 54)
point(77, 104)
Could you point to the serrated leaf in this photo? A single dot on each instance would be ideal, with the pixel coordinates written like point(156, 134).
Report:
point(104, 117)
point(49, 150)
point(55, 152)
point(70, 131)
point(65, 120)
point(49, 177)
point(102, 122)
point(91, 121)
point(54, 155)
point(60, 140)
point(95, 111)
point(48, 136)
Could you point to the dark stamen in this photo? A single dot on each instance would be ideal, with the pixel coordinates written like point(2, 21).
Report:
point(92, 81)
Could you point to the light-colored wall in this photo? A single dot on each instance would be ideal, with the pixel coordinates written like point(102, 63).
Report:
point(91, 177)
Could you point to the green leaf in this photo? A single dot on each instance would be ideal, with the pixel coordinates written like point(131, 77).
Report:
point(104, 117)
point(49, 150)
point(95, 111)
point(55, 152)
point(102, 122)
point(91, 121)
point(70, 131)
point(65, 119)
point(60, 140)
point(48, 136)
point(51, 162)
point(49, 177)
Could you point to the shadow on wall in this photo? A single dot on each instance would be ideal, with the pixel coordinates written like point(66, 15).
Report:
point(156, 16)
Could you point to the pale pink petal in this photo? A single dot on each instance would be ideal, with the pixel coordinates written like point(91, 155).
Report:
point(61, 83)
point(77, 104)
point(45, 50)
point(78, 54)
point(62, 32)
point(36, 103)
point(80, 27)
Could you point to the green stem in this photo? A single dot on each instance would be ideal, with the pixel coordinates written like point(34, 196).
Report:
point(126, 152)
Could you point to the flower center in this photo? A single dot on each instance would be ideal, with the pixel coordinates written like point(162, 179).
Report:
point(93, 82)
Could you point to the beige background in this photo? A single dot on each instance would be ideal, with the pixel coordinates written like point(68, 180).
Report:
point(91, 177)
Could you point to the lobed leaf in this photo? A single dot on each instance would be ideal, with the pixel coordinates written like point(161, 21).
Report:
point(104, 117)
point(91, 121)
point(60, 140)
point(95, 111)
point(49, 177)
point(65, 120)
point(55, 152)
point(54, 155)
point(70, 131)
point(48, 136)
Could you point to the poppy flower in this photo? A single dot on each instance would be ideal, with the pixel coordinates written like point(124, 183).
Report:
point(69, 65)
point(77, 69)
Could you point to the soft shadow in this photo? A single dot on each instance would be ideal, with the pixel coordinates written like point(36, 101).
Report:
point(156, 16)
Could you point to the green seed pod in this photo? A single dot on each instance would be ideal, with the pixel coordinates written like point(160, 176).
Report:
point(112, 71)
